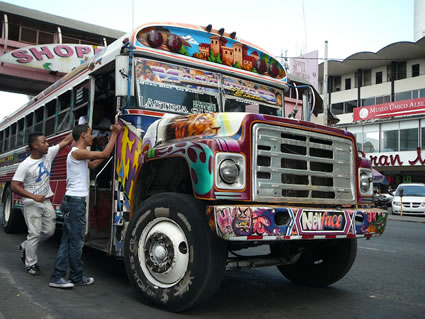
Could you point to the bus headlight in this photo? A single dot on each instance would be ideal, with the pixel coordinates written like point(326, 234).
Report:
point(230, 171)
point(365, 181)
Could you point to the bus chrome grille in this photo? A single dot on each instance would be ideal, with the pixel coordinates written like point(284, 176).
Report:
point(294, 165)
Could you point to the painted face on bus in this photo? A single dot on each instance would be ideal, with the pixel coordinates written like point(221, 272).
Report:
point(41, 145)
point(148, 74)
point(139, 70)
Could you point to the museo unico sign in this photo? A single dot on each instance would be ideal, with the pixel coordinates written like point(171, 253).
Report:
point(406, 107)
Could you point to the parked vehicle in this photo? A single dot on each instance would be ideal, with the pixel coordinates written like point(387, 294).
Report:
point(383, 200)
point(409, 199)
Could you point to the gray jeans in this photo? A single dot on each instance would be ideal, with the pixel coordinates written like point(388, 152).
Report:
point(41, 222)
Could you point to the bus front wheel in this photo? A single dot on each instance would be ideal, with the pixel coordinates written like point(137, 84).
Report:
point(13, 219)
point(172, 258)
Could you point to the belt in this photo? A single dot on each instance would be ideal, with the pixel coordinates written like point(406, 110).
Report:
point(70, 198)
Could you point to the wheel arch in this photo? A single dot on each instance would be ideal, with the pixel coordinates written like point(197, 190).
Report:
point(162, 175)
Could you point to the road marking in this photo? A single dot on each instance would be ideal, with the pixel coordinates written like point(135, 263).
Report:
point(388, 251)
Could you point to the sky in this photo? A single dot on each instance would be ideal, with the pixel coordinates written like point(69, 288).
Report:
point(281, 27)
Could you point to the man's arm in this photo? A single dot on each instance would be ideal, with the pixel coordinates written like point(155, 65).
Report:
point(16, 187)
point(67, 140)
point(96, 157)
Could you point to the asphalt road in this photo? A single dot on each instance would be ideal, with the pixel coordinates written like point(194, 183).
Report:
point(386, 281)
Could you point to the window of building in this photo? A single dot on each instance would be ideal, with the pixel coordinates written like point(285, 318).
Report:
point(349, 105)
point(383, 99)
point(367, 77)
point(409, 135)
point(66, 39)
point(378, 77)
point(401, 71)
point(45, 37)
point(348, 84)
point(337, 83)
point(415, 70)
point(371, 138)
point(403, 96)
point(368, 101)
point(338, 108)
point(422, 134)
point(28, 35)
point(422, 93)
point(389, 137)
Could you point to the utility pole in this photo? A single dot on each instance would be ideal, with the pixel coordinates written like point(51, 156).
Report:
point(325, 86)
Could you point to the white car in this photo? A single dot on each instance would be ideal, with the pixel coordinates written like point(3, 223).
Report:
point(412, 199)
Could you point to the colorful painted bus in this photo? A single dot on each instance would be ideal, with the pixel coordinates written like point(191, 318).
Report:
point(207, 165)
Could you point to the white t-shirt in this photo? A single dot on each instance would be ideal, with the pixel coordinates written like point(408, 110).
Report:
point(76, 176)
point(35, 174)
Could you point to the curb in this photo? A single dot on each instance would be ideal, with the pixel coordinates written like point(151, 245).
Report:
point(414, 219)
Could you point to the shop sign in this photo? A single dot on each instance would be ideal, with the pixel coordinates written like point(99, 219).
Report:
point(393, 109)
point(398, 159)
point(51, 57)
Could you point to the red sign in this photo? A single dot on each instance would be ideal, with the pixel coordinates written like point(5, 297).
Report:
point(406, 107)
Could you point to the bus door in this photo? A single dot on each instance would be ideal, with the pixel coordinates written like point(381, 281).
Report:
point(101, 178)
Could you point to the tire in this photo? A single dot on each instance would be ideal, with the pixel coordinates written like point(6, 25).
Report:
point(172, 258)
point(13, 219)
point(323, 263)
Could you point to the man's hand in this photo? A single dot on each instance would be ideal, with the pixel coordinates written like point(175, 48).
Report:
point(39, 198)
point(115, 128)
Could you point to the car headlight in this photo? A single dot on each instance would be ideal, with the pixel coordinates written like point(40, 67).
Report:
point(229, 171)
point(365, 181)
point(396, 203)
point(423, 204)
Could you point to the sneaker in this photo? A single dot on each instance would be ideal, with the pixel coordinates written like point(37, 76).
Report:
point(86, 281)
point(22, 252)
point(33, 270)
point(61, 283)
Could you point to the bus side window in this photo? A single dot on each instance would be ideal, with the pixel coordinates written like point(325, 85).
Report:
point(39, 115)
point(30, 125)
point(13, 136)
point(6, 139)
point(64, 115)
point(21, 132)
point(50, 118)
point(1, 141)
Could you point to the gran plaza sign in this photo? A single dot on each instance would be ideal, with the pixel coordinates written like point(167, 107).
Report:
point(393, 109)
point(410, 158)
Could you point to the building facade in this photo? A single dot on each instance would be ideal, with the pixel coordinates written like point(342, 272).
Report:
point(380, 98)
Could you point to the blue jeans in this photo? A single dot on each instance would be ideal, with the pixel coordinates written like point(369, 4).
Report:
point(72, 242)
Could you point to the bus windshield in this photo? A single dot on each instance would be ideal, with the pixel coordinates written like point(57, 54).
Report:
point(170, 88)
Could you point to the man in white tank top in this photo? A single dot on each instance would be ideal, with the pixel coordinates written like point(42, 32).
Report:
point(74, 206)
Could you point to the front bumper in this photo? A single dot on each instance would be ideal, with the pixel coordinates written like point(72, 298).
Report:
point(246, 223)
point(418, 211)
